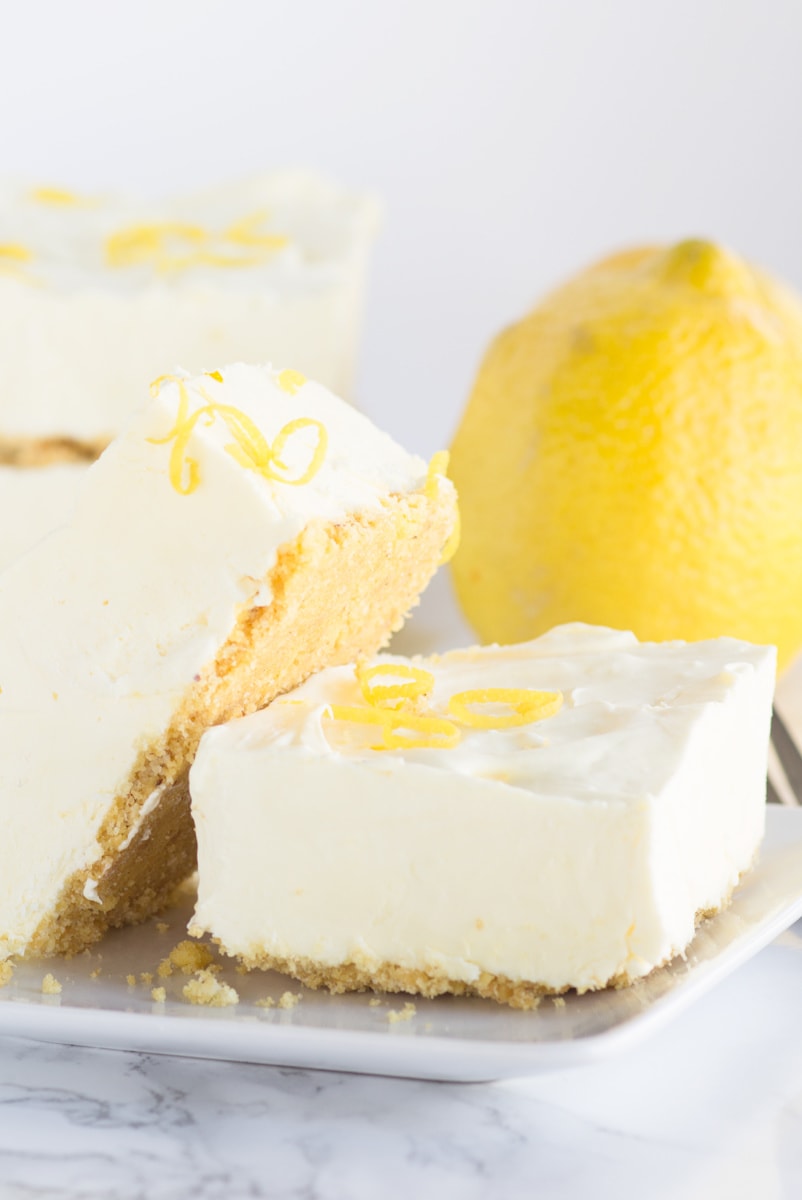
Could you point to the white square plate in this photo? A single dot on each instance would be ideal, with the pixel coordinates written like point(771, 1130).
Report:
point(449, 1038)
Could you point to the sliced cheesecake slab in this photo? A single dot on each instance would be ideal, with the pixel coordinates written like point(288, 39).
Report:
point(505, 821)
point(247, 529)
point(100, 294)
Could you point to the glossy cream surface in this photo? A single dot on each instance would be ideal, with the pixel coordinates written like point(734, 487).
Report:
point(107, 622)
point(562, 852)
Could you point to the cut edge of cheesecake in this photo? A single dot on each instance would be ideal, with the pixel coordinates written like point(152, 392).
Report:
point(357, 975)
point(340, 590)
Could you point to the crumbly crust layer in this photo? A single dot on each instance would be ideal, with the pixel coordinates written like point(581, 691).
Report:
point(47, 452)
point(389, 977)
point(340, 590)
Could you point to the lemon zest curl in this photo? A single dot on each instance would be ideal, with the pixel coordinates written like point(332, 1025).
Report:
point(15, 251)
point(59, 197)
point(155, 242)
point(393, 695)
point(438, 469)
point(290, 381)
point(250, 447)
point(436, 733)
point(526, 705)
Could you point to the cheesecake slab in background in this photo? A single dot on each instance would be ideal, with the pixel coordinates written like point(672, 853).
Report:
point(506, 822)
point(100, 295)
point(247, 529)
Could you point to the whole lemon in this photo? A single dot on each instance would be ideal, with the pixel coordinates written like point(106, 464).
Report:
point(631, 456)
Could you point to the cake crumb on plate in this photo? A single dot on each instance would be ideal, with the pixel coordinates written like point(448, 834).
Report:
point(403, 1014)
point(159, 994)
point(203, 988)
point(290, 999)
point(51, 986)
point(189, 957)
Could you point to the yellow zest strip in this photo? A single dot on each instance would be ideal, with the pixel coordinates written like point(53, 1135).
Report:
point(438, 733)
point(16, 251)
point(526, 704)
point(215, 375)
point(244, 232)
point(438, 469)
point(362, 716)
point(57, 196)
point(250, 448)
point(290, 381)
point(149, 242)
point(316, 461)
point(452, 545)
point(394, 695)
point(156, 385)
point(139, 243)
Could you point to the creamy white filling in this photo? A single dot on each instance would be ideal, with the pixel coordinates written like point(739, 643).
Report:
point(561, 852)
point(34, 501)
point(109, 620)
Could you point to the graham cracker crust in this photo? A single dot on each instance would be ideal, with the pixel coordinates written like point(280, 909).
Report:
point(47, 452)
point(354, 976)
point(339, 590)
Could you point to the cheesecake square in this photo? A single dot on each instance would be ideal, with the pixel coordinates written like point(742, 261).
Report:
point(506, 821)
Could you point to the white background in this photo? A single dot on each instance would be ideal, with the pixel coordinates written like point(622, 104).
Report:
point(511, 142)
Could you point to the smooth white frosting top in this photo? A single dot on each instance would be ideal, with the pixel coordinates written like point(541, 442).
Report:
point(617, 691)
point(108, 620)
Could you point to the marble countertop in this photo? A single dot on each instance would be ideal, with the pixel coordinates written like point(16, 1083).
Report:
point(710, 1107)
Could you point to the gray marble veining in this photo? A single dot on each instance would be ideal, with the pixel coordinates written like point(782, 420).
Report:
point(710, 1107)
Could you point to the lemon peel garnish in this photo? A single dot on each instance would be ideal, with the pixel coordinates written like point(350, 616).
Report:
point(420, 683)
point(250, 447)
point(215, 375)
point(156, 385)
point(151, 242)
point(290, 381)
point(526, 705)
point(438, 469)
point(148, 241)
point(245, 233)
point(438, 733)
point(353, 712)
point(60, 197)
point(316, 461)
point(15, 251)
point(452, 545)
